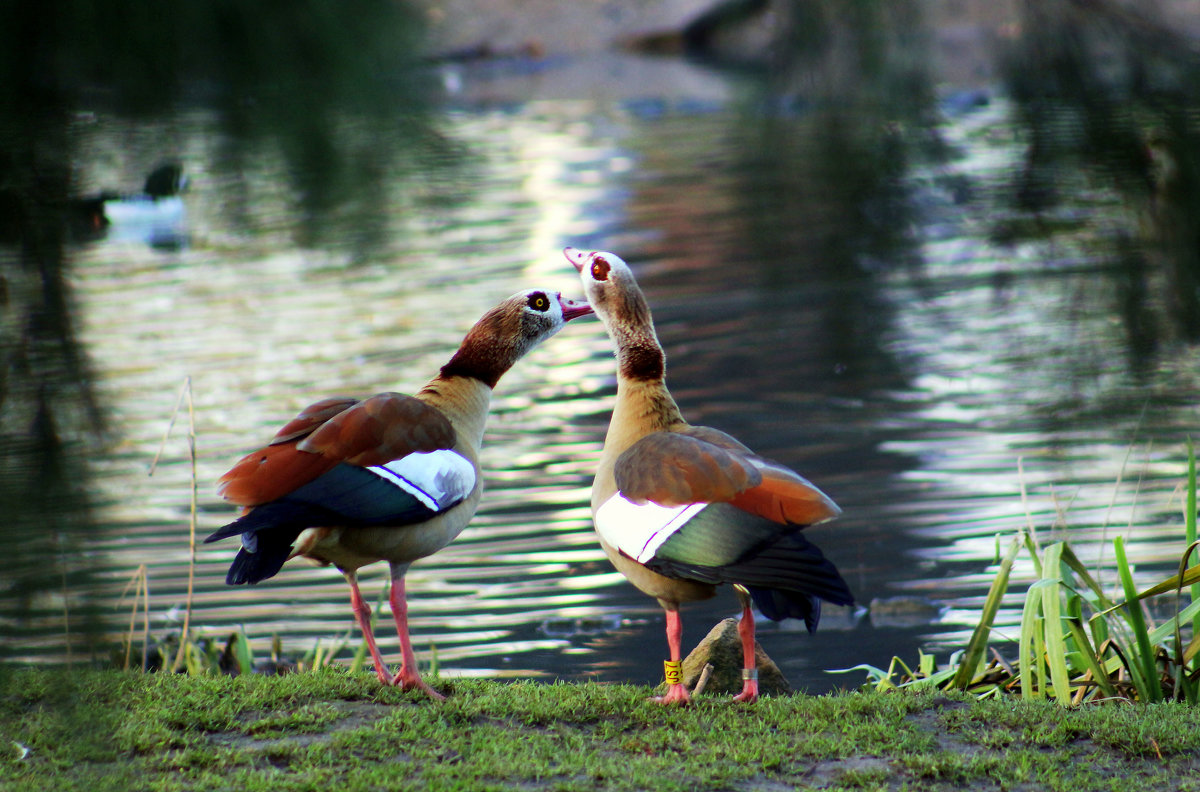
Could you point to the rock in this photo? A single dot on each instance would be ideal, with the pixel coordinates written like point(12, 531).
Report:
point(722, 648)
point(904, 612)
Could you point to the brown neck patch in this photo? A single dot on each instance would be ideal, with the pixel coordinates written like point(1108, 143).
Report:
point(639, 354)
point(483, 354)
point(475, 362)
point(641, 361)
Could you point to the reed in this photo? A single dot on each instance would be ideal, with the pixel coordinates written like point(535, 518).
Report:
point(140, 584)
point(1189, 524)
point(1077, 644)
point(185, 392)
point(200, 654)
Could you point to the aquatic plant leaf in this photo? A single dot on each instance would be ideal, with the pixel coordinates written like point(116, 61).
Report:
point(977, 646)
point(1148, 687)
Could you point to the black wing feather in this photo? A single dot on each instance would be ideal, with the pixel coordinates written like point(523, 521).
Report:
point(778, 605)
point(785, 577)
point(270, 531)
point(347, 496)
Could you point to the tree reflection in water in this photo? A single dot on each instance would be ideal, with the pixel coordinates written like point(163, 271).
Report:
point(290, 74)
point(1111, 94)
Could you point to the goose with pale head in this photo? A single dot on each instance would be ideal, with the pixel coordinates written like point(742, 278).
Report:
point(680, 509)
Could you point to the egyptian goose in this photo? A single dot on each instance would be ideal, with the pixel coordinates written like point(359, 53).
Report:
point(159, 198)
point(391, 478)
point(681, 508)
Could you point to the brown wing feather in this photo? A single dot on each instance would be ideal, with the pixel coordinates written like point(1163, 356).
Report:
point(785, 497)
point(270, 473)
point(698, 464)
point(674, 469)
point(714, 436)
point(311, 417)
point(384, 427)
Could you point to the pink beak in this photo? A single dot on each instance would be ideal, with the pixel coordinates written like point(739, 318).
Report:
point(576, 257)
point(573, 309)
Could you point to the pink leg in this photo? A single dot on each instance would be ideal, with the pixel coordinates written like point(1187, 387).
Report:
point(407, 677)
point(750, 670)
point(362, 614)
point(676, 693)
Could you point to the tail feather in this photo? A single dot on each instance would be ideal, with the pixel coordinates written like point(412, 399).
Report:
point(787, 579)
point(778, 605)
point(253, 567)
point(268, 532)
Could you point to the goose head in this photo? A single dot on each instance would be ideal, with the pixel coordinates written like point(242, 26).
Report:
point(610, 287)
point(614, 294)
point(511, 330)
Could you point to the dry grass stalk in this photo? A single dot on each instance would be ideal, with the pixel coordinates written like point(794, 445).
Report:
point(185, 392)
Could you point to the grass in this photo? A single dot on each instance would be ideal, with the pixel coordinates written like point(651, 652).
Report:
point(99, 730)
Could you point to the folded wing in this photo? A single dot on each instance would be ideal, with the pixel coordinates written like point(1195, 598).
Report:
point(378, 430)
point(696, 504)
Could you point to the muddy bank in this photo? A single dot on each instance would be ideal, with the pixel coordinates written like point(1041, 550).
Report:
point(966, 37)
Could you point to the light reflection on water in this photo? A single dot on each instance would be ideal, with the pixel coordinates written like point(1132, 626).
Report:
point(925, 411)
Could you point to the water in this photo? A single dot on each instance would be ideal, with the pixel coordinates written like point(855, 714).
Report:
point(858, 286)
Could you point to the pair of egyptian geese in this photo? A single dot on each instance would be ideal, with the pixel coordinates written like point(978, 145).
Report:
point(678, 508)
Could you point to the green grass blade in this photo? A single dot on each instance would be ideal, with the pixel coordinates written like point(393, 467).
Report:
point(1099, 627)
point(1178, 666)
point(1084, 575)
point(1039, 649)
point(1189, 578)
point(927, 663)
point(934, 680)
point(1052, 625)
point(1032, 546)
point(1090, 658)
point(1189, 521)
point(977, 646)
point(360, 658)
point(241, 652)
point(1030, 659)
point(1149, 690)
point(1167, 628)
point(875, 676)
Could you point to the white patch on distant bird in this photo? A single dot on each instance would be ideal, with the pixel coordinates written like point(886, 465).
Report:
point(144, 210)
point(146, 220)
point(638, 530)
point(436, 478)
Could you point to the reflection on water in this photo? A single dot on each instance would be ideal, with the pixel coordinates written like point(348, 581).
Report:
point(48, 406)
point(864, 284)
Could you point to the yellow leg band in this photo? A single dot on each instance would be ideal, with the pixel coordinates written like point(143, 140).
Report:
point(674, 671)
point(750, 674)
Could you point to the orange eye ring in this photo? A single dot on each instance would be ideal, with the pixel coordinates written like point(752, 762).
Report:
point(600, 268)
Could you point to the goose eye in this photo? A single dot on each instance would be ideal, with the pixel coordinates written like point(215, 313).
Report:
point(600, 268)
point(539, 302)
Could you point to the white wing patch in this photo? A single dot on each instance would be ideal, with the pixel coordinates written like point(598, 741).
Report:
point(639, 530)
point(436, 478)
